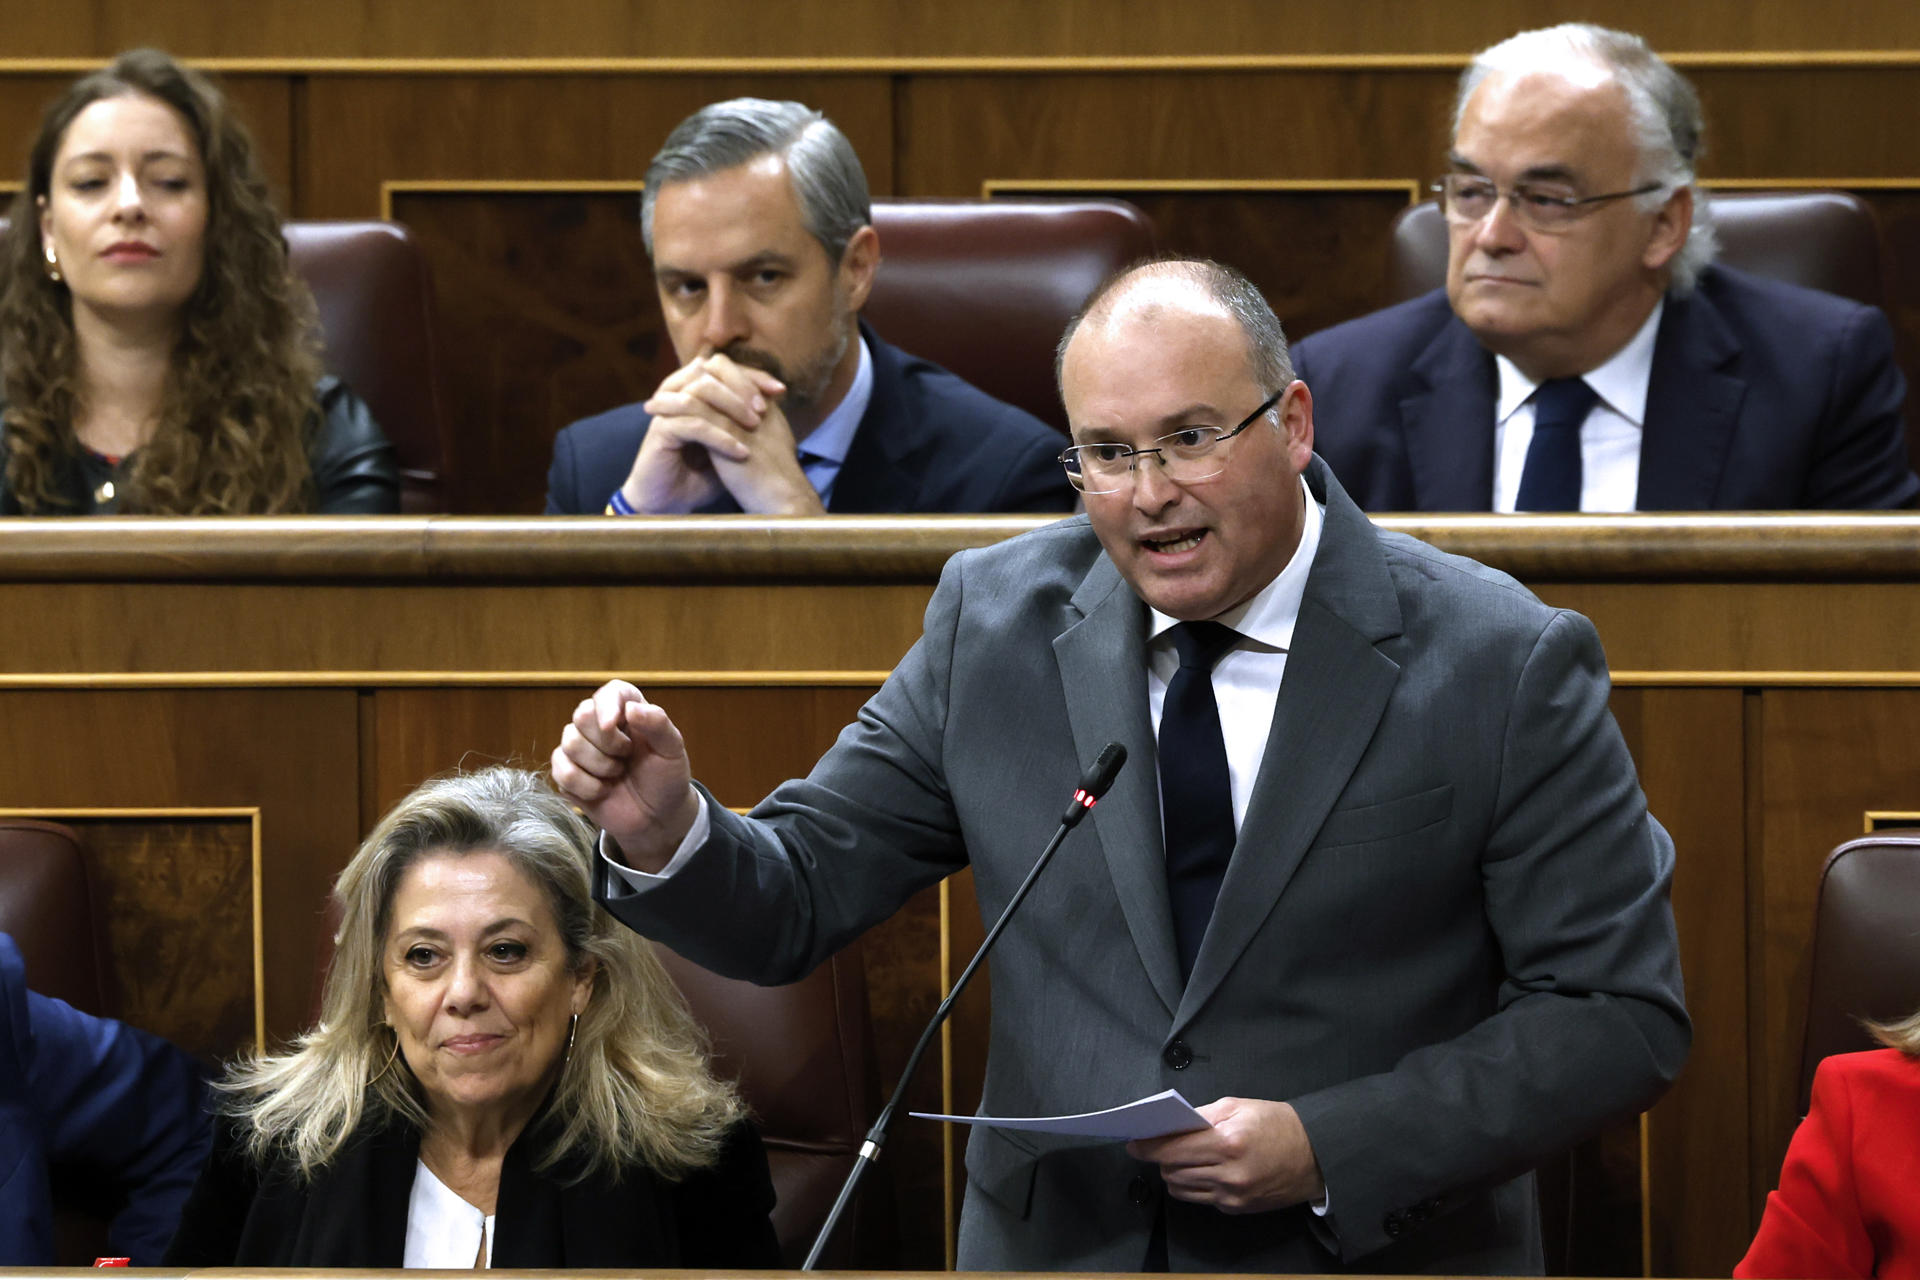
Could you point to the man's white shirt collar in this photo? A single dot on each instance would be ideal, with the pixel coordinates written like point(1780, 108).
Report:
point(1620, 382)
point(1269, 617)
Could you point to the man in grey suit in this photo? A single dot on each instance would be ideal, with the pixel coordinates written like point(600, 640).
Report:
point(1436, 949)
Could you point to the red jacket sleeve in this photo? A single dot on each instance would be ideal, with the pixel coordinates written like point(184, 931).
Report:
point(1813, 1226)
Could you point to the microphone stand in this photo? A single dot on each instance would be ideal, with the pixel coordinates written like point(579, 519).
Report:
point(1093, 784)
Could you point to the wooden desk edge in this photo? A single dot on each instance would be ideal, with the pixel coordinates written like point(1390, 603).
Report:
point(750, 549)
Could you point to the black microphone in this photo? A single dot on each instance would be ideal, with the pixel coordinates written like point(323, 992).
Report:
point(1094, 783)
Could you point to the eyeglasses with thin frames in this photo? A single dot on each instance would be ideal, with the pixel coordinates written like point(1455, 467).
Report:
point(1468, 198)
point(1185, 456)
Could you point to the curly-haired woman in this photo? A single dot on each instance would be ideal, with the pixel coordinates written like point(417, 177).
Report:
point(157, 353)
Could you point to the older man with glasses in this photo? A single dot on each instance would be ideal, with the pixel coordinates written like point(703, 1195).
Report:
point(1380, 892)
point(1587, 354)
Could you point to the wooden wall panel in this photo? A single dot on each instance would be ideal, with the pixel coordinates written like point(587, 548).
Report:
point(289, 753)
point(744, 740)
point(1827, 756)
point(199, 628)
point(172, 897)
point(368, 129)
point(179, 898)
point(1687, 744)
point(960, 132)
point(915, 28)
point(548, 314)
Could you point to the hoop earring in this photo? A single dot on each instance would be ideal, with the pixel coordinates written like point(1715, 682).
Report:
point(391, 1059)
point(53, 266)
point(572, 1030)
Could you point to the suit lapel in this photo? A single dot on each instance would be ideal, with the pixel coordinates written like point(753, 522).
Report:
point(1447, 421)
point(1336, 688)
point(1103, 660)
point(1693, 404)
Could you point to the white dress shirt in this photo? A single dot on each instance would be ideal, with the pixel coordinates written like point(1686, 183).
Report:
point(444, 1232)
point(1609, 438)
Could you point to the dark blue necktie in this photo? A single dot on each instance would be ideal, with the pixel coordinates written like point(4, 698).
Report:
point(1195, 785)
point(1551, 479)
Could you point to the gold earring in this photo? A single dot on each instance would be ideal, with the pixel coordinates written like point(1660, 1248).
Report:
point(572, 1031)
point(53, 266)
point(391, 1059)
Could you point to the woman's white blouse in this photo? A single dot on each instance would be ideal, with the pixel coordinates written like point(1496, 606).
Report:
point(444, 1231)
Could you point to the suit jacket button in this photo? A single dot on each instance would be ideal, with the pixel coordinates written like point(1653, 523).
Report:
point(1137, 1190)
point(1393, 1225)
point(1178, 1056)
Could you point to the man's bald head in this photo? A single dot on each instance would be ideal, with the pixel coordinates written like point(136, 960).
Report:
point(1169, 285)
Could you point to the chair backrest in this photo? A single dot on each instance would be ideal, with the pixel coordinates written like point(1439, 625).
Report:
point(803, 1056)
point(46, 903)
point(985, 287)
point(374, 292)
point(1825, 240)
point(1866, 946)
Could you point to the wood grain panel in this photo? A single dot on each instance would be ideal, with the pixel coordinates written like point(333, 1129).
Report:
point(207, 628)
point(1712, 626)
point(1807, 122)
point(743, 742)
point(741, 28)
point(175, 899)
point(365, 130)
point(289, 753)
point(548, 314)
point(1688, 746)
point(1827, 758)
point(959, 132)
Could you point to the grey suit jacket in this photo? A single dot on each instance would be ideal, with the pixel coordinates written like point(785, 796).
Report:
point(1444, 936)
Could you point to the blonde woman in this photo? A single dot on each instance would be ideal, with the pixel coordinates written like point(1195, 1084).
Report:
point(502, 1075)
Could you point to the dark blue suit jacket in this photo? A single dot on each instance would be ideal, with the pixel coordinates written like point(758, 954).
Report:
point(929, 442)
point(1764, 396)
point(124, 1109)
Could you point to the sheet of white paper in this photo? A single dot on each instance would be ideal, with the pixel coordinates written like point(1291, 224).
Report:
point(1153, 1117)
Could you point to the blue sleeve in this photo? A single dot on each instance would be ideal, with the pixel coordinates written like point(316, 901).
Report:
point(563, 496)
point(26, 1205)
point(124, 1106)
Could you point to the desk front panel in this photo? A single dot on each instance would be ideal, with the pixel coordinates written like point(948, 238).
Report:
point(224, 723)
